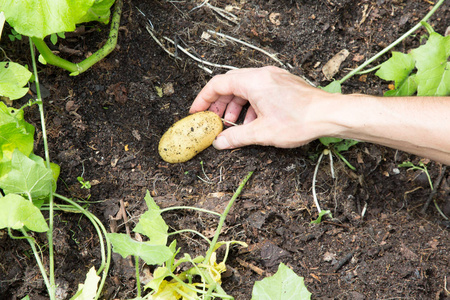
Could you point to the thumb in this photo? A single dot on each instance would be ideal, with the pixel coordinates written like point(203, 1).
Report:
point(237, 136)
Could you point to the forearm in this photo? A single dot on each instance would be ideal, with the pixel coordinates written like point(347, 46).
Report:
point(419, 125)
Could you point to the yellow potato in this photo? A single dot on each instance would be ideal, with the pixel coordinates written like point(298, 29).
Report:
point(189, 136)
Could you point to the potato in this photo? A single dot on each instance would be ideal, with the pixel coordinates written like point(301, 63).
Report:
point(189, 136)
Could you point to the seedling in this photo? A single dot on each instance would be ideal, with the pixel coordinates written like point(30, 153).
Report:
point(14, 35)
point(422, 167)
point(85, 184)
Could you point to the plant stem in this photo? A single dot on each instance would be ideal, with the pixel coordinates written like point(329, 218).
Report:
point(193, 231)
point(138, 279)
point(52, 289)
point(223, 218)
point(100, 229)
point(76, 69)
point(38, 260)
point(191, 207)
point(395, 43)
point(316, 170)
point(53, 59)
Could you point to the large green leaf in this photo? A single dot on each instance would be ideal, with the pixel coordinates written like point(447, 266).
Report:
point(17, 212)
point(151, 254)
point(28, 176)
point(397, 68)
point(152, 224)
point(39, 18)
point(14, 137)
point(407, 87)
point(433, 67)
point(284, 285)
point(13, 77)
point(99, 12)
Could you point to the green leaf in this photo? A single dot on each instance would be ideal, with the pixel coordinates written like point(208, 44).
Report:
point(408, 87)
point(16, 212)
point(15, 136)
point(334, 87)
point(397, 68)
point(13, 77)
point(88, 290)
point(27, 176)
point(99, 12)
point(151, 254)
point(321, 214)
point(152, 224)
point(326, 141)
point(284, 285)
point(53, 38)
point(345, 145)
point(158, 276)
point(433, 67)
point(39, 18)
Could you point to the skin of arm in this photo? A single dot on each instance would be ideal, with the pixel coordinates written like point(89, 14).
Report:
point(287, 112)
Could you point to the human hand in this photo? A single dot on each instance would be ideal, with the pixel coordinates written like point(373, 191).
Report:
point(284, 110)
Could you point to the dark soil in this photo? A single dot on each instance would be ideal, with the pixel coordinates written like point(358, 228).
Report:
point(105, 125)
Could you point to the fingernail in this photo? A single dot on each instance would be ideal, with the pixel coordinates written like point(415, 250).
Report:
point(221, 142)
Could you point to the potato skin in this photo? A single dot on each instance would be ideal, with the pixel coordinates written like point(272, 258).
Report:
point(189, 136)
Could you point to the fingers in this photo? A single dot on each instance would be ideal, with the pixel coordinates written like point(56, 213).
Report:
point(238, 83)
point(221, 89)
point(236, 136)
point(250, 116)
point(234, 108)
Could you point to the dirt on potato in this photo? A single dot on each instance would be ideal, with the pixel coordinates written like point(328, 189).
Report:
point(105, 126)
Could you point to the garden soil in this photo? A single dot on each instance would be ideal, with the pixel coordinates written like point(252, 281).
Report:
point(105, 124)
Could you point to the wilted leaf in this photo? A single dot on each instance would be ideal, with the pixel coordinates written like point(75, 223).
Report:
point(332, 66)
point(88, 290)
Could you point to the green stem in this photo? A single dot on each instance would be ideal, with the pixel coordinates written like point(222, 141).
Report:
point(439, 210)
point(369, 70)
point(52, 290)
point(193, 231)
point(100, 229)
point(31, 241)
point(395, 43)
point(223, 218)
point(138, 279)
point(344, 160)
point(53, 59)
point(191, 207)
point(76, 69)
